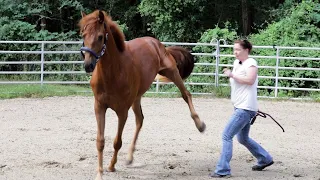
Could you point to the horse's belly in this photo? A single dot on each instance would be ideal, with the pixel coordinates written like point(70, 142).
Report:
point(146, 55)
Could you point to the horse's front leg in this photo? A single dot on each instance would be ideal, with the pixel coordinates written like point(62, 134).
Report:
point(100, 112)
point(117, 143)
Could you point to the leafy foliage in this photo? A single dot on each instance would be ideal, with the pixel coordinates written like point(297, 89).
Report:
point(280, 23)
point(297, 28)
point(212, 36)
point(173, 20)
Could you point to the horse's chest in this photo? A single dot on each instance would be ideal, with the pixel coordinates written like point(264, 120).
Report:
point(113, 95)
point(118, 92)
point(114, 101)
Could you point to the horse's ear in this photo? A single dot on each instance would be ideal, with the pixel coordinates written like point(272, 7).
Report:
point(101, 17)
point(83, 14)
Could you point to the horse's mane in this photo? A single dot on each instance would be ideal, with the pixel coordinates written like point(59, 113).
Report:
point(91, 22)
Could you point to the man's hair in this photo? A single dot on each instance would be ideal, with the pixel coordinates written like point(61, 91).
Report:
point(245, 44)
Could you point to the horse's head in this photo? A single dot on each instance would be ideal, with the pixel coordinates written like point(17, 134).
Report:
point(93, 29)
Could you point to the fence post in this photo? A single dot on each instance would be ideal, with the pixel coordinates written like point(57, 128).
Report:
point(42, 63)
point(277, 73)
point(217, 64)
point(157, 86)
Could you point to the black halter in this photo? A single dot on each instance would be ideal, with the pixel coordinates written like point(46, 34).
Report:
point(103, 49)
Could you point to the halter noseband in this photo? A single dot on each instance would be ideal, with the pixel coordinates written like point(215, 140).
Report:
point(97, 56)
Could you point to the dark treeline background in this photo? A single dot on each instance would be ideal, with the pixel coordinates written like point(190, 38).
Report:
point(167, 20)
point(272, 22)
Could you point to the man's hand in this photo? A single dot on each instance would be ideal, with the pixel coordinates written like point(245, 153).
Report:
point(227, 72)
point(249, 78)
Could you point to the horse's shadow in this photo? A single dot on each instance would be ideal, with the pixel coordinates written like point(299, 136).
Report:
point(136, 166)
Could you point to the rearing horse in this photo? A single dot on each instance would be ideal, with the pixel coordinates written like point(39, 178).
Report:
point(123, 71)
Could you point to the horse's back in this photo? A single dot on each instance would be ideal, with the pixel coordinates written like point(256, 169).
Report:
point(146, 45)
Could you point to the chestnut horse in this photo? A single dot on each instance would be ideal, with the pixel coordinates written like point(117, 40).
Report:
point(123, 71)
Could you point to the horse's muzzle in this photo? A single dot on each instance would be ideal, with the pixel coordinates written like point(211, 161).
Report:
point(89, 67)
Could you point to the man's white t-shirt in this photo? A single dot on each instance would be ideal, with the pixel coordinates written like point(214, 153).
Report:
point(244, 96)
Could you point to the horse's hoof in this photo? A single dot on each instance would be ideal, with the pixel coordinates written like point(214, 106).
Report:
point(129, 162)
point(203, 127)
point(110, 169)
point(99, 176)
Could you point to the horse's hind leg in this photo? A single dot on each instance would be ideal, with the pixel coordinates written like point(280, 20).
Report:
point(173, 74)
point(136, 107)
point(117, 143)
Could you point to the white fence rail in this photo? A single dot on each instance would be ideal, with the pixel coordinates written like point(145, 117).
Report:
point(216, 55)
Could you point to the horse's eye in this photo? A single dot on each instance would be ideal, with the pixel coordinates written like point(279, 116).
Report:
point(100, 38)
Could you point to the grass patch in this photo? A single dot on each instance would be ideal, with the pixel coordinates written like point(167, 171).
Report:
point(222, 92)
point(38, 91)
point(315, 96)
point(47, 90)
point(215, 92)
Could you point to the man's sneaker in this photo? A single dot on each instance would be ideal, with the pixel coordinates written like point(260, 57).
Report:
point(260, 168)
point(215, 175)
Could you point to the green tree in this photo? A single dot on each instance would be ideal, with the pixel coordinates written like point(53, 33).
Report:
point(298, 27)
point(174, 20)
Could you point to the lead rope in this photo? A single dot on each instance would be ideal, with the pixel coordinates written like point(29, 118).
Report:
point(264, 115)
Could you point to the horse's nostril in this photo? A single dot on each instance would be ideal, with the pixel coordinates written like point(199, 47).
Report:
point(91, 66)
point(88, 68)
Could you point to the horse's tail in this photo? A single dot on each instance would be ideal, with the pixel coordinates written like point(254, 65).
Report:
point(185, 62)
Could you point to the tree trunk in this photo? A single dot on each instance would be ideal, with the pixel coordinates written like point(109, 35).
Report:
point(246, 17)
point(43, 23)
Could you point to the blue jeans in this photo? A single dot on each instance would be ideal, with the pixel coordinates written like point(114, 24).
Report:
point(239, 124)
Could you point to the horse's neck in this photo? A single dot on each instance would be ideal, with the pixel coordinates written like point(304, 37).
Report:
point(110, 65)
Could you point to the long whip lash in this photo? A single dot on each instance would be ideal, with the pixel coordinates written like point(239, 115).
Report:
point(264, 115)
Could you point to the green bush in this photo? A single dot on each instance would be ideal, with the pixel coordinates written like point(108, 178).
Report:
point(17, 30)
point(298, 28)
point(227, 34)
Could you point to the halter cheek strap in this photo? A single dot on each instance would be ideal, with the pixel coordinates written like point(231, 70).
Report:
point(97, 56)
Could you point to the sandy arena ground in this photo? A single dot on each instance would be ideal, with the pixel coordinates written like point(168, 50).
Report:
point(54, 138)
